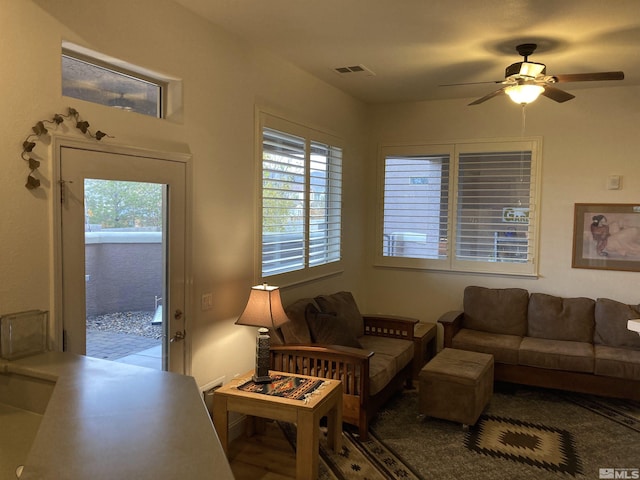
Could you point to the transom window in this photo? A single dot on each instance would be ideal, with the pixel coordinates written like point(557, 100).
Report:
point(301, 199)
point(463, 207)
point(98, 81)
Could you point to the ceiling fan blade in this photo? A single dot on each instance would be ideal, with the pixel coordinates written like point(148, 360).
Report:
point(589, 77)
point(488, 97)
point(556, 94)
point(469, 83)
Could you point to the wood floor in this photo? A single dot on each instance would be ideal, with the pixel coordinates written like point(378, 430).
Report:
point(264, 456)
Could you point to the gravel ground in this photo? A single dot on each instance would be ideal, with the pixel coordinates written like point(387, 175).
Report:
point(131, 323)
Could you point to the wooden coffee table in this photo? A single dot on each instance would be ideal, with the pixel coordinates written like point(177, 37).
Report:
point(326, 401)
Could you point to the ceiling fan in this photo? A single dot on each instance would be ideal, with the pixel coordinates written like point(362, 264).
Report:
point(525, 81)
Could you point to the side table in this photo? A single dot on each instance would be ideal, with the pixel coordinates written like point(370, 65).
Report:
point(326, 401)
point(424, 344)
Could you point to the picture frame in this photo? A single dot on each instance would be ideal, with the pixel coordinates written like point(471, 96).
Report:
point(606, 236)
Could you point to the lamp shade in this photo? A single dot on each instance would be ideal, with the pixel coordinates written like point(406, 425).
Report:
point(523, 94)
point(264, 308)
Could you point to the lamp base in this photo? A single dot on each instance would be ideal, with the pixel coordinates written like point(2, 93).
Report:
point(261, 372)
point(263, 379)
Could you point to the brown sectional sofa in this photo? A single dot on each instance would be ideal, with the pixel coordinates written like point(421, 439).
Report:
point(327, 337)
point(577, 344)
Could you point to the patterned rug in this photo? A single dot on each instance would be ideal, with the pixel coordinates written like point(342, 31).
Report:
point(545, 447)
point(591, 437)
point(357, 460)
point(624, 412)
point(604, 436)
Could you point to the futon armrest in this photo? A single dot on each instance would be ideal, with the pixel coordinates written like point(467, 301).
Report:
point(325, 350)
point(452, 323)
point(389, 326)
point(349, 365)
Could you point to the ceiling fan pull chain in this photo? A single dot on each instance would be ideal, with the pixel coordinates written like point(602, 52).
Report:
point(524, 119)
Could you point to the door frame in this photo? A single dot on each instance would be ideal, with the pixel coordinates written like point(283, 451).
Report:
point(58, 142)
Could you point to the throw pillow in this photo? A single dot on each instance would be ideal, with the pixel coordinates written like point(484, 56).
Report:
point(327, 329)
point(342, 304)
point(296, 330)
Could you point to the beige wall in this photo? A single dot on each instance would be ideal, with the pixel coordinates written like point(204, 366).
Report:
point(223, 81)
point(584, 141)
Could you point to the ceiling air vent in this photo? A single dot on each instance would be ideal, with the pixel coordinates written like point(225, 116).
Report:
point(357, 69)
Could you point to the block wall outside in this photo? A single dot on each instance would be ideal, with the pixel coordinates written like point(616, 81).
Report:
point(122, 277)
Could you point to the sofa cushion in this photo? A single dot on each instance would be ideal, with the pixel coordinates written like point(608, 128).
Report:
point(297, 330)
point(617, 362)
point(343, 305)
point(496, 310)
point(557, 318)
point(557, 354)
point(401, 350)
point(328, 329)
point(504, 348)
point(611, 324)
point(382, 369)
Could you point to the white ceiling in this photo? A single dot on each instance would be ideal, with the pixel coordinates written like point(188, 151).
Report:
point(413, 46)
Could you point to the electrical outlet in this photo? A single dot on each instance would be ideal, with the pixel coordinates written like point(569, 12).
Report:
point(207, 301)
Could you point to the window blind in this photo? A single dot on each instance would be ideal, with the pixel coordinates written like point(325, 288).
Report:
point(416, 197)
point(301, 202)
point(468, 206)
point(325, 207)
point(283, 202)
point(493, 205)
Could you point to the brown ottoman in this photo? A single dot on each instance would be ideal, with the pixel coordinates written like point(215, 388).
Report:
point(456, 385)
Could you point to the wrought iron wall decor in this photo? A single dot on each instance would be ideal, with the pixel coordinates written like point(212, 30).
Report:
point(39, 129)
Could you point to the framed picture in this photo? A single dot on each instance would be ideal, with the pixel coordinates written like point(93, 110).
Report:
point(606, 236)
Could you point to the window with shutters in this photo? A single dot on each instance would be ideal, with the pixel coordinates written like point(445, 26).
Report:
point(461, 207)
point(301, 201)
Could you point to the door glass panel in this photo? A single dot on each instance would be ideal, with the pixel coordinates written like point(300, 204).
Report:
point(125, 265)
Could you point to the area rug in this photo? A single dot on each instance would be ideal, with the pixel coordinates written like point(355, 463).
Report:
point(357, 460)
point(436, 449)
point(539, 445)
point(625, 412)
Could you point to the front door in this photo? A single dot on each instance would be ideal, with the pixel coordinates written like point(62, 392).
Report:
point(123, 238)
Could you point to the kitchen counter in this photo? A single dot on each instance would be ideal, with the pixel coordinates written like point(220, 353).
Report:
point(108, 420)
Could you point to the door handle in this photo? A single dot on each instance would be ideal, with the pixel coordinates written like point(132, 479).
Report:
point(179, 335)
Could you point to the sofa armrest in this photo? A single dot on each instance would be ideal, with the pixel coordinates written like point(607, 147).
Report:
point(389, 326)
point(452, 323)
point(350, 365)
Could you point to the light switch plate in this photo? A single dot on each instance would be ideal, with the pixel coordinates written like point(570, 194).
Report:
point(613, 182)
point(207, 301)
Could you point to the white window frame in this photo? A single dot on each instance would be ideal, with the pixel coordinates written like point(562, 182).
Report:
point(171, 101)
point(454, 150)
point(267, 119)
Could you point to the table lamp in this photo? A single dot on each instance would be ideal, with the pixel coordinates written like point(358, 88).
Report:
point(264, 310)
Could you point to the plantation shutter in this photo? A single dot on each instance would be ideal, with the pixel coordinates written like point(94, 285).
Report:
point(325, 208)
point(301, 199)
point(416, 197)
point(494, 201)
point(283, 202)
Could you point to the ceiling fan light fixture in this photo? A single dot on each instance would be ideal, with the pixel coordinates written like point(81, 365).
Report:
point(523, 94)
